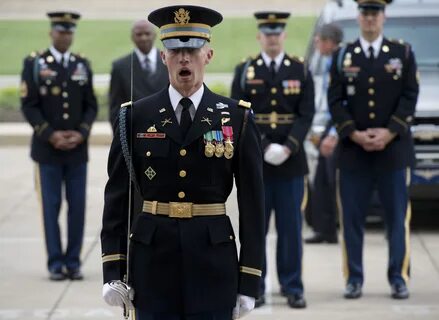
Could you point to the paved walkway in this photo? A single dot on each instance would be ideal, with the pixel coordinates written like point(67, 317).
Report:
point(27, 294)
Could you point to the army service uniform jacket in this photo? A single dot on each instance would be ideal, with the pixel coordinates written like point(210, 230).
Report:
point(381, 95)
point(186, 265)
point(57, 98)
point(283, 107)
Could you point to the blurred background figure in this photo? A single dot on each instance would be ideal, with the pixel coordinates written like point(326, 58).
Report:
point(59, 103)
point(323, 206)
point(281, 91)
point(149, 73)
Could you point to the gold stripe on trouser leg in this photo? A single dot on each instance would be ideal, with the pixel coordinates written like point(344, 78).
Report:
point(340, 220)
point(303, 205)
point(133, 314)
point(408, 216)
point(37, 177)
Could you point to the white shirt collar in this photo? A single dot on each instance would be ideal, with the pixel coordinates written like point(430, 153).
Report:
point(57, 55)
point(175, 96)
point(278, 60)
point(152, 56)
point(376, 45)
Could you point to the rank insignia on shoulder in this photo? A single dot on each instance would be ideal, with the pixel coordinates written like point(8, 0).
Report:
point(126, 104)
point(244, 104)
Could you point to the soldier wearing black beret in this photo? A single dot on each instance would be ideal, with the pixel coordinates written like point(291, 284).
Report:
point(281, 91)
point(57, 99)
point(372, 98)
point(188, 146)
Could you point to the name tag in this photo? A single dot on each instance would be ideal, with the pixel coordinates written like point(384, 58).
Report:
point(151, 135)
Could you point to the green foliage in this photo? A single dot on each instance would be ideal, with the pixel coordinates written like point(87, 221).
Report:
point(10, 98)
point(220, 88)
point(102, 41)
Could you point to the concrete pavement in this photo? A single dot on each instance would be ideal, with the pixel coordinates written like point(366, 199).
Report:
point(25, 292)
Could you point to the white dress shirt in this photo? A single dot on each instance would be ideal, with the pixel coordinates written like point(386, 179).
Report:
point(175, 98)
point(152, 57)
point(277, 60)
point(376, 45)
point(58, 55)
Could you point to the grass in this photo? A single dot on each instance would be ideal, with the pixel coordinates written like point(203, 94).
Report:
point(104, 40)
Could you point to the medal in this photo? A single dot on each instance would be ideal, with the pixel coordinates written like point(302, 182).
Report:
point(209, 148)
point(228, 144)
point(219, 146)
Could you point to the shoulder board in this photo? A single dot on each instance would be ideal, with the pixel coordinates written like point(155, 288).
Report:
point(297, 59)
point(126, 104)
point(246, 59)
point(244, 104)
point(32, 55)
point(397, 41)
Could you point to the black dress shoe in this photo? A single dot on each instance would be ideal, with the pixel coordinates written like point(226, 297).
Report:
point(260, 301)
point(353, 291)
point(319, 238)
point(296, 301)
point(400, 291)
point(75, 274)
point(57, 275)
point(283, 293)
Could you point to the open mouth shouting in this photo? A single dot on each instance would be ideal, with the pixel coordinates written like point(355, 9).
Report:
point(184, 73)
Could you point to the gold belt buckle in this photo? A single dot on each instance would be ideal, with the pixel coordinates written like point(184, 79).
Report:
point(180, 209)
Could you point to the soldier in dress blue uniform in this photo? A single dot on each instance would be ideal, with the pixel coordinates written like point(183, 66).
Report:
point(59, 103)
point(281, 91)
point(187, 146)
point(372, 98)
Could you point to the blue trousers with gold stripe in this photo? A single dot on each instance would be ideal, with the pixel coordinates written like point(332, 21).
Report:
point(50, 179)
point(287, 197)
point(354, 193)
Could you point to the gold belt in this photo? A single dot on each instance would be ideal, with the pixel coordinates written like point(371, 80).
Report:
point(274, 118)
point(183, 209)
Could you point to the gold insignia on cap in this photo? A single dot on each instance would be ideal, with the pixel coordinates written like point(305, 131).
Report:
point(386, 48)
point(181, 16)
point(152, 129)
point(259, 62)
point(50, 59)
point(287, 62)
point(68, 16)
point(271, 17)
point(357, 50)
point(23, 89)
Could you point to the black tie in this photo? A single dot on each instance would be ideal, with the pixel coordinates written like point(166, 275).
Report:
point(272, 69)
point(185, 120)
point(371, 54)
point(62, 61)
point(147, 65)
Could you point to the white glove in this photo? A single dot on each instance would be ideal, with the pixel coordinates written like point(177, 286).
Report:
point(117, 293)
point(244, 305)
point(275, 154)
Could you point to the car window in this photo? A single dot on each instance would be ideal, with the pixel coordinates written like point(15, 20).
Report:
point(421, 32)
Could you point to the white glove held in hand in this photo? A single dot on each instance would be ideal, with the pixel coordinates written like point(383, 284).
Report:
point(117, 293)
point(244, 305)
point(275, 154)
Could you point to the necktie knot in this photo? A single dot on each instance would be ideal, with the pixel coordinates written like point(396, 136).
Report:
point(185, 103)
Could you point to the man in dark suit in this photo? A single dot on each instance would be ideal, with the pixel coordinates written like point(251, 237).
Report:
point(59, 103)
point(281, 91)
point(372, 99)
point(188, 145)
point(149, 73)
point(323, 206)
